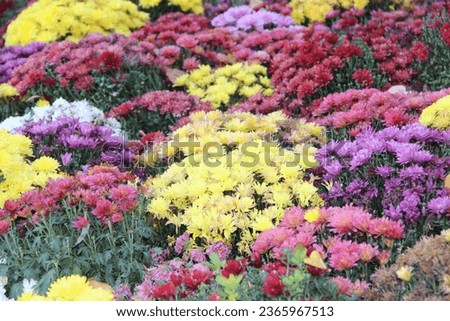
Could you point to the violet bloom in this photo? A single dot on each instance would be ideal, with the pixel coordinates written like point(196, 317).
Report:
point(439, 205)
point(244, 18)
point(12, 57)
point(399, 170)
point(66, 158)
point(360, 158)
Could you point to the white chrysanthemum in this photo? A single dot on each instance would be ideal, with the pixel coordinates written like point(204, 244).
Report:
point(81, 109)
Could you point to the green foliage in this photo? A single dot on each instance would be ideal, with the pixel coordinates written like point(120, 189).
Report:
point(13, 107)
point(53, 248)
point(146, 121)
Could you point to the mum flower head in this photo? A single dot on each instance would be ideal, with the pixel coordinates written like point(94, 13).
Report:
point(404, 273)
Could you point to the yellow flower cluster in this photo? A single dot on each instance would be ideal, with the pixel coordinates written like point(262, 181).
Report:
point(53, 20)
point(71, 288)
point(7, 91)
point(437, 115)
point(316, 10)
point(196, 6)
point(235, 181)
point(227, 84)
point(17, 175)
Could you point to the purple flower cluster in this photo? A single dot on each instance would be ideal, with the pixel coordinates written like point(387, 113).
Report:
point(14, 56)
point(398, 172)
point(245, 18)
point(78, 143)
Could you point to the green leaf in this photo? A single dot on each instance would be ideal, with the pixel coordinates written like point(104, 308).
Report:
point(232, 282)
point(298, 256)
point(82, 236)
point(215, 263)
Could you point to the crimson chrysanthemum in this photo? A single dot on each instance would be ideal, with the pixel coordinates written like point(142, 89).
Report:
point(445, 33)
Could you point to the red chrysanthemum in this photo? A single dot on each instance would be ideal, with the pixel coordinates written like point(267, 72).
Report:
point(272, 285)
point(234, 267)
point(192, 279)
point(109, 60)
point(445, 33)
point(164, 291)
point(420, 51)
point(363, 77)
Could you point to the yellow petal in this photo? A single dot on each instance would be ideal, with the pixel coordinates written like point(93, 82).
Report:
point(315, 260)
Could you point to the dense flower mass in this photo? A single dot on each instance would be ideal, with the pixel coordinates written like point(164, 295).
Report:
point(74, 63)
point(157, 110)
point(81, 110)
point(13, 56)
point(50, 20)
point(17, 174)
point(227, 84)
point(245, 18)
point(216, 194)
point(224, 150)
point(311, 10)
point(355, 110)
point(407, 166)
point(344, 239)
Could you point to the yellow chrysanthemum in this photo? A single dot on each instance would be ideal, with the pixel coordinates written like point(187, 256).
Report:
point(437, 115)
point(54, 20)
point(17, 174)
point(227, 84)
point(30, 296)
point(315, 10)
point(77, 288)
point(242, 184)
point(312, 215)
point(71, 288)
point(45, 164)
point(7, 91)
point(42, 103)
point(404, 273)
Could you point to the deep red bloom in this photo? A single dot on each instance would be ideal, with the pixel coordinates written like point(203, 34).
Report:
point(420, 51)
point(277, 267)
point(272, 285)
point(363, 77)
point(153, 137)
point(348, 51)
point(445, 33)
point(176, 279)
point(192, 279)
point(110, 61)
point(256, 261)
point(234, 267)
point(164, 291)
